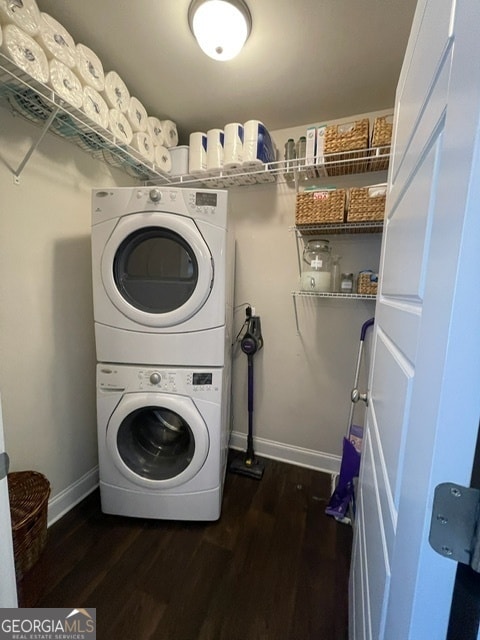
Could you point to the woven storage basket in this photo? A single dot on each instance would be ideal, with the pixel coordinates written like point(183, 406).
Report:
point(28, 493)
point(320, 207)
point(382, 131)
point(345, 147)
point(367, 283)
point(366, 203)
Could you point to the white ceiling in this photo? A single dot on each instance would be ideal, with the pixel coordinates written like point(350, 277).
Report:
point(305, 61)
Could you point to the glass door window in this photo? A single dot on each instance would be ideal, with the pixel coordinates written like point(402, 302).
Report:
point(155, 270)
point(155, 443)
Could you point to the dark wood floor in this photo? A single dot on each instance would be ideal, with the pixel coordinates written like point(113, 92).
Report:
point(274, 567)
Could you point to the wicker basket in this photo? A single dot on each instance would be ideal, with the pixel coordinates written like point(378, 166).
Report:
point(367, 283)
point(320, 207)
point(366, 203)
point(382, 131)
point(346, 137)
point(28, 493)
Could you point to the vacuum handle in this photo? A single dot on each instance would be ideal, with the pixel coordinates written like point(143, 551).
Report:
point(365, 326)
point(250, 383)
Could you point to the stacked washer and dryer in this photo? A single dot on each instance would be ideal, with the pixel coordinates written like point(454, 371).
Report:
point(162, 261)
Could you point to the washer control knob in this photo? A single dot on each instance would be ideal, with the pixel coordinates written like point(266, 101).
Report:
point(155, 378)
point(155, 195)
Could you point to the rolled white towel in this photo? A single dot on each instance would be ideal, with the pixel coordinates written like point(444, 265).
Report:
point(163, 159)
point(170, 134)
point(119, 126)
point(90, 68)
point(64, 82)
point(23, 13)
point(116, 92)
point(137, 115)
point(56, 41)
point(142, 142)
point(25, 52)
point(95, 107)
point(154, 129)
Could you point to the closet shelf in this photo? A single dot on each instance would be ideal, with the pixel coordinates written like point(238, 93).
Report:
point(374, 226)
point(343, 296)
point(39, 104)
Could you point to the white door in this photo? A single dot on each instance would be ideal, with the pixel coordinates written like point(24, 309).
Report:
point(8, 587)
point(424, 407)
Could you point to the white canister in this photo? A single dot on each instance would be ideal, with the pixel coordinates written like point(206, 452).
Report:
point(215, 138)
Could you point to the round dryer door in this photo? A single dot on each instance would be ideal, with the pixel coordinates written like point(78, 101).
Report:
point(157, 440)
point(157, 269)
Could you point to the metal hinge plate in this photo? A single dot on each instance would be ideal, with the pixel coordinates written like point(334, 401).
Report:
point(4, 465)
point(454, 525)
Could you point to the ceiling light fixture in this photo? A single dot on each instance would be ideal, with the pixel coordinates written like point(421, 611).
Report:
point(221, 27)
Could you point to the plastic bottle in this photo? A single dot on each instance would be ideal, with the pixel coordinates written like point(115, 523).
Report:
point(336, 274)
point(301, 150)
point(289, 158)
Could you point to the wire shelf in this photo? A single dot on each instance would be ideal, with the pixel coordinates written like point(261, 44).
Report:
point(38, 103)
point(327, 294)
point(339, 228)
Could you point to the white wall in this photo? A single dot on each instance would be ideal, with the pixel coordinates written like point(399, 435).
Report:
point(302, 380)
point(47, 354)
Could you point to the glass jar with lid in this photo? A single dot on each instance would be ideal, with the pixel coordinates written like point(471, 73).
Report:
point(316, 267)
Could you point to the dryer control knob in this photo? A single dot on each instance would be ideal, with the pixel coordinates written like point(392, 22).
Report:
point(155, 378)
point(155, 195)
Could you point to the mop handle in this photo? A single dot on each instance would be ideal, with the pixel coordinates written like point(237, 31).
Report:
point(366, 325)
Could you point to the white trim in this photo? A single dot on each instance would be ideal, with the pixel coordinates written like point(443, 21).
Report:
point(72, 495)
point(309, 458)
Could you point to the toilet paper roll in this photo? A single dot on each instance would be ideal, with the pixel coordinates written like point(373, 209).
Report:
point(119, 126)
point(116, 92)
point(142, 142)
point(197, 159)
point(155, 131)
point(137, 115)
point(258, 147)
point(89, 68)
point(95, 107)
point(170, 134)
point(25, 52)
point(56, 41)
point(163, 160)
point(23, 13)
point(233, 146)
point(65, 83)
point(215, 139)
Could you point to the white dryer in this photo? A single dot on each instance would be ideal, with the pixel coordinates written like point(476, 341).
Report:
point(162, 263)
point(162, 439)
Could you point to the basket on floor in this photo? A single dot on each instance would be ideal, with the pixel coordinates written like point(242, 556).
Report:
point(28, 492)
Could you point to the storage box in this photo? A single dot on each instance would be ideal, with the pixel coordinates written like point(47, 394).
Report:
point(381, 141)
point(320, 207)
point(367, 283)
point(179, 156)
point(366, 203)
point(345, 147)
point(320, 150)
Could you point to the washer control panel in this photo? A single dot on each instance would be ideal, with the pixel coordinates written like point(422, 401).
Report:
point(201, 382)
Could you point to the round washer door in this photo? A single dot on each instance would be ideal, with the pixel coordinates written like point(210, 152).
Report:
point(157, 440)
point(157, 269)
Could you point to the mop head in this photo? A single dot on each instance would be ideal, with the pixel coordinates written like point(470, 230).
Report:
point(344, 493)
point(247, 466)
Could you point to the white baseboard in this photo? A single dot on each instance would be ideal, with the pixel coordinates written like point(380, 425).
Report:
point(72, 495)
point(288, 453)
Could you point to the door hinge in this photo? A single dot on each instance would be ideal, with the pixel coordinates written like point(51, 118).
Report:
point(4, 465)
point(454, 529)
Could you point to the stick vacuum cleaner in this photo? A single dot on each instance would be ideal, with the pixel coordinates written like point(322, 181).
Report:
point(251, 343)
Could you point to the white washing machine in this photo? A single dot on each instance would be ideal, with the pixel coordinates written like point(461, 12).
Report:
point(163, 438)
point(162, 262)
